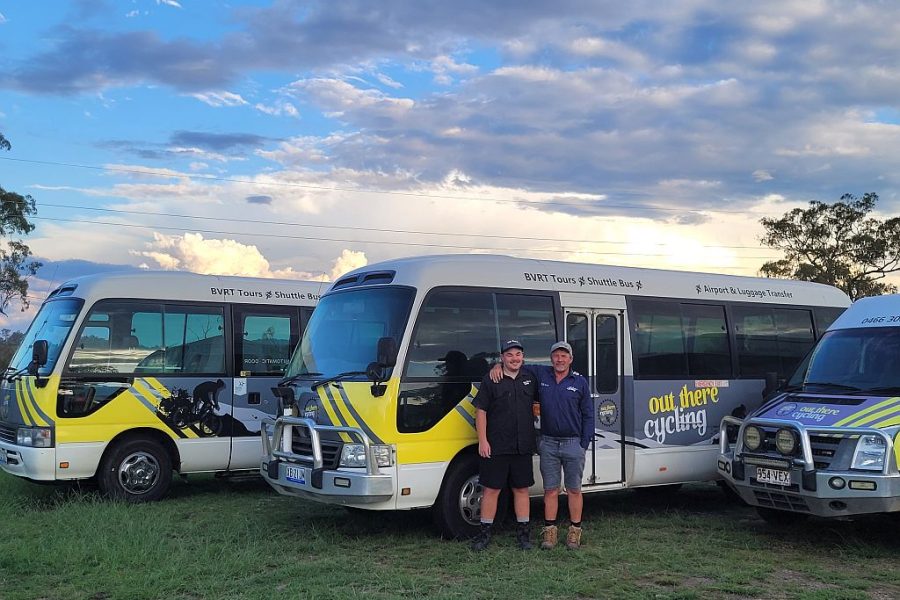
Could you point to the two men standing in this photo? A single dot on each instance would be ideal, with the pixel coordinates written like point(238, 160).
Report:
point(567, 427)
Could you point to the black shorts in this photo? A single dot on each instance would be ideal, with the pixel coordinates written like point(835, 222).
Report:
point(514, 470)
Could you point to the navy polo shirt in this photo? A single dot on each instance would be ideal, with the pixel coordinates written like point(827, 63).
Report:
point(567, 409)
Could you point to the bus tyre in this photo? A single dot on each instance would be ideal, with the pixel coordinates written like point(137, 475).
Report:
point(457, 511)
point(137, 470)
point(780, 518)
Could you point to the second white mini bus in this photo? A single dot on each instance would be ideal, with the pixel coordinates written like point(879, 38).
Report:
point(383, 380)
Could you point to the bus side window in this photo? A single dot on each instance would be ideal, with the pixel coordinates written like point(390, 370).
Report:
point(117, 338)
point(265, 340)
point(771, 339)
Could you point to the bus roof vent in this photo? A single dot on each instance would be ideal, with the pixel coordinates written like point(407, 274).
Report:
point(63, 291)
point(369, 278)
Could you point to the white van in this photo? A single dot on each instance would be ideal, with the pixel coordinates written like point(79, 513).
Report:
point(826, 443)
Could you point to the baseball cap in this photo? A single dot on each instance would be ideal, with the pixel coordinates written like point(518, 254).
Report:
point(508, 344)
point(561, 346)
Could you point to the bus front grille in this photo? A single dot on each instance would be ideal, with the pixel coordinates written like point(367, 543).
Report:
point(331, 451)
point(773, 499)
point(7, 433)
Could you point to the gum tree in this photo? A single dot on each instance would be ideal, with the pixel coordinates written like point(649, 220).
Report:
point(838, 244)
point(16, 264)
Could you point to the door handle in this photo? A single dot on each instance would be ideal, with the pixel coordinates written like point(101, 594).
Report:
point(254, 398)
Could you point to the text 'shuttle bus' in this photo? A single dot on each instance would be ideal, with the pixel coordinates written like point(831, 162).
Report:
point(125, 377)
point(827, 443)
point(383, 380)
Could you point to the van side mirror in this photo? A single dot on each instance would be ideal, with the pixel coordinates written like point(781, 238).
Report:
point(772, 384)
point(386, 353)
point(39, 351)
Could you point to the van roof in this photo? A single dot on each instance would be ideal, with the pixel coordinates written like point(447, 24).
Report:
point(874, 311)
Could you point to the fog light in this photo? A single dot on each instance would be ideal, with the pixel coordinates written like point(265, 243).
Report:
point(786, 441)
point(837, 483)
point(753, 438)
point(341, 482)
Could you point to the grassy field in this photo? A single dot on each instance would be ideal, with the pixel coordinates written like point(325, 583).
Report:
point(215, 539)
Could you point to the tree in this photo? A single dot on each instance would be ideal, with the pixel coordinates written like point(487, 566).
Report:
point(837, 244)
point(9, 343)
point(15, 256)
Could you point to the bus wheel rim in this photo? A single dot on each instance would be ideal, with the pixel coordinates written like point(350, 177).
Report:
point(138, 473)
point(470, 500)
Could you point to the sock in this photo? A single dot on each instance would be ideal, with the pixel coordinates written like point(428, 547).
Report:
point(522, 520)
point(576, 524)
point(486, 523)
point(550, 522)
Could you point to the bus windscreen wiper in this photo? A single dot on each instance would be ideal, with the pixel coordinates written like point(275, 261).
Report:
point(293, 378)
point(888, 389)
point(337, 377)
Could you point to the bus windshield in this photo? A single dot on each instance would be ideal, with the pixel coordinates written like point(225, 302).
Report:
point(858, 360)
point(344, 330)
point(53, 323)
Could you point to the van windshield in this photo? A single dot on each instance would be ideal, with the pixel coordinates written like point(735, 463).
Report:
point(53, 323)
point(345, 327)
point(867, 360)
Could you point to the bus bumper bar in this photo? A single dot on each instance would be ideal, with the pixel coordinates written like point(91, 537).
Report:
point(307, 477)
point(811, 492)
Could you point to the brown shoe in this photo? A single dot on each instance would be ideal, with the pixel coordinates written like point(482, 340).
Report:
point(573, 538)
point(548, 537)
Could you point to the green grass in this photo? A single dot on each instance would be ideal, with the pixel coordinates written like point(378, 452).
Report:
point(220, 539)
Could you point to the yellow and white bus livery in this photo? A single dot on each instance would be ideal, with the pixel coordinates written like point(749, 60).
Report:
point(828, 442)
point(383, 380)
point(127, 377)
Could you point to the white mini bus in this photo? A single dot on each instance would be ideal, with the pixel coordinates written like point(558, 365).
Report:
point(127, 377)
point(383, 380)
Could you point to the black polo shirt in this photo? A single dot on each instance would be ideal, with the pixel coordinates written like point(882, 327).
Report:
point(510, 420)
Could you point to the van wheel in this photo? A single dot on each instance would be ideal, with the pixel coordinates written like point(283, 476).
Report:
point(138, 470)
point(457, 511)
point(780, 518)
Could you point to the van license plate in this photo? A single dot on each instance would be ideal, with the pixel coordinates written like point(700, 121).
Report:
point(295, 474)
point(773, 476)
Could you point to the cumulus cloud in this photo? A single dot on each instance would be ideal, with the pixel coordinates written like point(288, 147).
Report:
point(197, 254)
point(220, 98)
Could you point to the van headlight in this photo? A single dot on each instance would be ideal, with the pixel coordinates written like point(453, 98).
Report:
point(870, 453)
point(34, 437)
point(354, 455)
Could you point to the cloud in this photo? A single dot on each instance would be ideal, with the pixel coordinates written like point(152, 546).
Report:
point(192, 252)
point(172, 3)
point(220, 98)
point(259, 199)
point(762, 175)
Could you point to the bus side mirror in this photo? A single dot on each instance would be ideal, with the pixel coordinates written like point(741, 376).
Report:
point(39, 352)
point(285, 397)
point(386, 354)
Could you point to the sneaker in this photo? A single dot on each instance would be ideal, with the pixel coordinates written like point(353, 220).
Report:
point(548, 537)
point(573, 538)
point(483, 539)
point(523, 536)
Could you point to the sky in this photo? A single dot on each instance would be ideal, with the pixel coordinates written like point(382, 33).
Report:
point(303, 139)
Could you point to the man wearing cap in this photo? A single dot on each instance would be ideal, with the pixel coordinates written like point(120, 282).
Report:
point(567, 427)
point(506, 442)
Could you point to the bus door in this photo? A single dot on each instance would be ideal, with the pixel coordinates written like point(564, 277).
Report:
point(596, 339)
point(264, 337)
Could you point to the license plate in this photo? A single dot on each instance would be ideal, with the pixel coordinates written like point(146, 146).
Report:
point(295, 474)
point(2, 456)
point(773, 476)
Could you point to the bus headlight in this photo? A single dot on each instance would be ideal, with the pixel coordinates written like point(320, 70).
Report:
point(35, 437)
point(753, 438)
point(354, 455)
point(869, 454)
point(786, 441)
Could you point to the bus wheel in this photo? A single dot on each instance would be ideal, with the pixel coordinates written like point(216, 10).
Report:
point(457, 512)
point(780, 518)
point(137, 470)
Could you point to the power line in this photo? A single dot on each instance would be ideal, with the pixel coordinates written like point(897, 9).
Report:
point(369, 229)
point(358, 241)
point(309, 186)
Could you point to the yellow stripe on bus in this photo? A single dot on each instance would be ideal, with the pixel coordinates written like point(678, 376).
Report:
point(887, 412)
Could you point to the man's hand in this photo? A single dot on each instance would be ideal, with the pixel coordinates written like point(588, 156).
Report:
point(496, 373)
point(484, 449)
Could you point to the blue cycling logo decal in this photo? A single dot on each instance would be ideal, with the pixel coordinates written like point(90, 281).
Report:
point(786, 409)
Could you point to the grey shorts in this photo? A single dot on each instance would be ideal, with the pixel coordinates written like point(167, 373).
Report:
point(564, 454)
